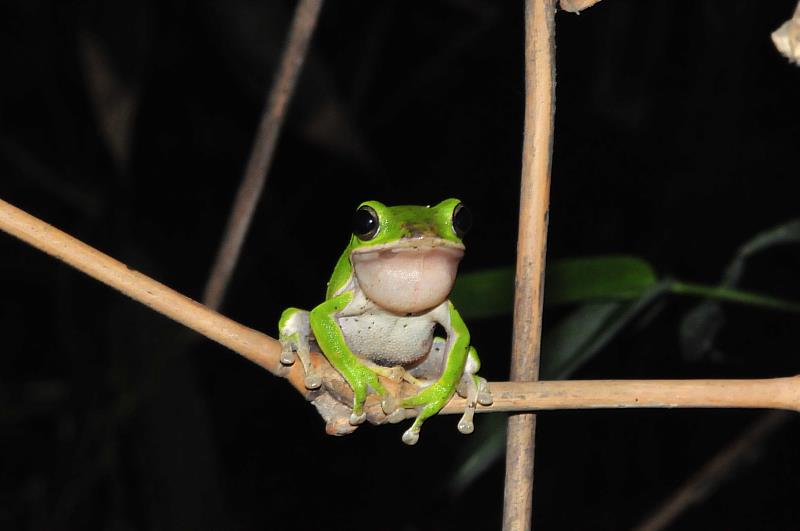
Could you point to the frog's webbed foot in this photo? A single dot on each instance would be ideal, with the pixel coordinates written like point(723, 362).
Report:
point(361, 378)
point(294, 335)
point(484, 394)
point(475, 390)
point(394, 374)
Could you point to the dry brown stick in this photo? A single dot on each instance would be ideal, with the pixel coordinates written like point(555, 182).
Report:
point(766, 393)
point(706, 479)
point(576, 6)
point(251, 344)
point(781, 393)
point(255, 176)
point(531, 246)
point(787, 38)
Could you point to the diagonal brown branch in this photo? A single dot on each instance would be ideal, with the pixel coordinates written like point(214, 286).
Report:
point(261, 155)
point(779, 393)
point(534, 199)
point(714, 472)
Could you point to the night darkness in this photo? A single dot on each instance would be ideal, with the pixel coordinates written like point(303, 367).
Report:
point(676, 140)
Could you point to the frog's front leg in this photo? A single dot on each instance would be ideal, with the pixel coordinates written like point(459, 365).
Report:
point(333, 345)
point(434, 397)
point(294, 331)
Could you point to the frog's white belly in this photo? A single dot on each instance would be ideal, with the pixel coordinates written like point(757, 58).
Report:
point(388, 339)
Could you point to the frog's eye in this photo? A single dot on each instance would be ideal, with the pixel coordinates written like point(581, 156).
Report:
point(365, 223)
point(462, 220)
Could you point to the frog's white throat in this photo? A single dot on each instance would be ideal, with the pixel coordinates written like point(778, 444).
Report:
point(409, 276)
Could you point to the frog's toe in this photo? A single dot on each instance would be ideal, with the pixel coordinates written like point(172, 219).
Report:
point(484, 395)
point(356, 418)
point(287, 356)
point(466, 426)
point(395, 374)
point(462, 389)
point(313, 381)
point(411, 436)
point(398, 415)
point(388, 404)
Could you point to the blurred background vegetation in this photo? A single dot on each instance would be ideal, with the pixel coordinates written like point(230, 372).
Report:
point(128, 124)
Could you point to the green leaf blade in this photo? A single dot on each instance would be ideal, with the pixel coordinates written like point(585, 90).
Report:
point(598, 278)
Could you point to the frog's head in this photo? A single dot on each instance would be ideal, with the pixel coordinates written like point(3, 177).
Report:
point(406, 257)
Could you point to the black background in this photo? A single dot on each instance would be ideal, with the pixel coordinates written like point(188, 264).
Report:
point(677, 129)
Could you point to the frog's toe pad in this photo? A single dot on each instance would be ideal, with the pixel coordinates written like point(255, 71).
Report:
point(462, 390)
point(388, 404)
point(485, 398)
point(410, 437)
point(355, 420)
point(398, 415)
point(313, 381)
point(287, 357)
point(466, 426)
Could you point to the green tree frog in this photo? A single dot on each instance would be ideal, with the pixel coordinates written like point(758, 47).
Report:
point(388, 292)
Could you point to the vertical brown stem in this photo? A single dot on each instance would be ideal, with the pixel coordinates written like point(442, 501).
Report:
point(534, 199)
point(303, 24)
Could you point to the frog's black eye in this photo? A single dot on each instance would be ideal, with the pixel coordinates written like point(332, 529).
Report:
point(462, 220)
point(365, 223)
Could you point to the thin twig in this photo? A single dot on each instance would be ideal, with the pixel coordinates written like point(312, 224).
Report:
point(534, 200)
point(780, 393)
point(765, 393)
point(113, 99)
point(255, 176)
point(705, 481)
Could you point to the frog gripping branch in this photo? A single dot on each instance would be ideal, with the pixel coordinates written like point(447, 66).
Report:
point(388, 292)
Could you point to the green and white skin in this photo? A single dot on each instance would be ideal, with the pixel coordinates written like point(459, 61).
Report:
point(386, 296)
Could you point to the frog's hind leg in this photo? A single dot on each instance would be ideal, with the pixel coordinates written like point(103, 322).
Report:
point(431, 368)
point(295, 332)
